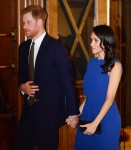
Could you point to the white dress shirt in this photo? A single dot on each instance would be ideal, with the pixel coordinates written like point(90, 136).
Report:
point(37, 45)
point(37, 42)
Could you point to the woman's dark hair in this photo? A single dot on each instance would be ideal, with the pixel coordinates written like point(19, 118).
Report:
point(108, 40)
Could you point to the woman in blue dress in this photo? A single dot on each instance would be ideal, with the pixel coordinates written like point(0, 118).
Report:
point(100, 85)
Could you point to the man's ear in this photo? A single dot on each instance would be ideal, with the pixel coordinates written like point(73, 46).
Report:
point(40, 22)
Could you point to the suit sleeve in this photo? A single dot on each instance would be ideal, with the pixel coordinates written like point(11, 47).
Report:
point(23, 75)
point(65, 71)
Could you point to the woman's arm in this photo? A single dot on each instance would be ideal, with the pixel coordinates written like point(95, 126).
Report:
point(81, 106)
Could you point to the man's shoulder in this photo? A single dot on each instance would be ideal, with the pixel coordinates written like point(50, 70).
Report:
point(28, 41)
point(25, 43)
point(24, 46)
point(53, 40)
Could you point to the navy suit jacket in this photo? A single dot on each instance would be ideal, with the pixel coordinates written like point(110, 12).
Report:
point(56, 97)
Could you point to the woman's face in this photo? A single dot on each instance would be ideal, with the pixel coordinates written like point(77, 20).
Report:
point(95, 45)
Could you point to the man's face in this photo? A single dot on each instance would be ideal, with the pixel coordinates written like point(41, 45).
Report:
point(30, 26)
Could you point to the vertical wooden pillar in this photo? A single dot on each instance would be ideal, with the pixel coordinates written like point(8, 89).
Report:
point(52, 22)
point(102, 11)
point(116, 24)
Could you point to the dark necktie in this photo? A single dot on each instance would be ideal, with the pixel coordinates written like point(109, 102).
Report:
point(31, 100)
point(31, 62)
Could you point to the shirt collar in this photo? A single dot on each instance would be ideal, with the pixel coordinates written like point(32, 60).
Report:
point(39, 39)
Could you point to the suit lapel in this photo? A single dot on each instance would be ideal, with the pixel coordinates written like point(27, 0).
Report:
point(25, 48)
point(42, 50)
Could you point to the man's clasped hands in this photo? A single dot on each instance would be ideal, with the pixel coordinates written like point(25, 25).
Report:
point(73, 121)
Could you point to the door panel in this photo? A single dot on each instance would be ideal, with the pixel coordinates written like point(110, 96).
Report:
point(8, 73)
point(8, 53)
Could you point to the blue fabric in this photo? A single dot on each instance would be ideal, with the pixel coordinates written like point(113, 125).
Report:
point(95, 87)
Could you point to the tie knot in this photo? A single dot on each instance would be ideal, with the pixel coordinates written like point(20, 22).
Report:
point(33, 43)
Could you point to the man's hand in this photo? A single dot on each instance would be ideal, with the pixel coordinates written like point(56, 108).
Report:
point(73, 120)
point(29, 88)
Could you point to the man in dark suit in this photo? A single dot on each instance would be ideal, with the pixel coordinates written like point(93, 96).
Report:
point(49, 98)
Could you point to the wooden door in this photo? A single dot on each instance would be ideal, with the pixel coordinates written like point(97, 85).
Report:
point(8, 73)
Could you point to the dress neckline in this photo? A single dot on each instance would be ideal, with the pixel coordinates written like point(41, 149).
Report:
point(99, 59)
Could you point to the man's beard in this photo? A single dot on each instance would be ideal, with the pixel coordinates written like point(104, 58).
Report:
point(28, 34)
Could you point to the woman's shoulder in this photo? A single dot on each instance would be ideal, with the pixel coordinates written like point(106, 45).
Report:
point(117, 67)
point(116, 60)
point(118, 64)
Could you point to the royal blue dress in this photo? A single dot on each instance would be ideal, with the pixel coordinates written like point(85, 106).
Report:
point(95, 86)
